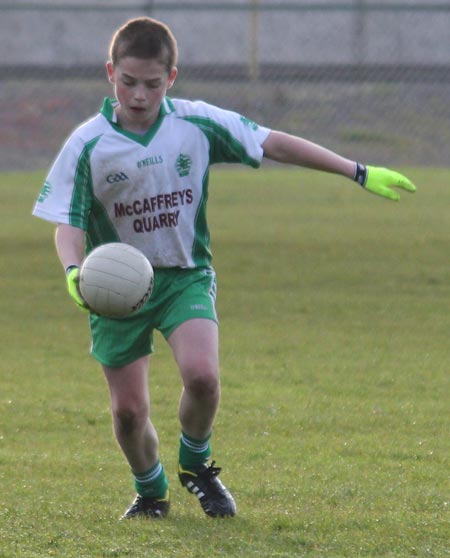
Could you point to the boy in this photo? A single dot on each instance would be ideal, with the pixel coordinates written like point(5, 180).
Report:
point(138, 173)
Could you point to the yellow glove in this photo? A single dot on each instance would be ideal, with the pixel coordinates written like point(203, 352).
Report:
point(73, 280)
point(380, 181)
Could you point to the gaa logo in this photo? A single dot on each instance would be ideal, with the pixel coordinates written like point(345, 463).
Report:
point(117, 177)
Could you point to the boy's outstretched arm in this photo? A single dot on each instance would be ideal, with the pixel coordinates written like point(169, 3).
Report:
point(294, 150)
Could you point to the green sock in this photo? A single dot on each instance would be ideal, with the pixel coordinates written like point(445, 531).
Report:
point(152, 483)
point(193, 453)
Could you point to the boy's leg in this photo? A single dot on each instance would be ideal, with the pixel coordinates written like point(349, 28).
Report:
point(136, 435)
point(130, 407)
point(195, 345)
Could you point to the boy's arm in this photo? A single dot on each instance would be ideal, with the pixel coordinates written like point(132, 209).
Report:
point(69, 242)
point(294, 150)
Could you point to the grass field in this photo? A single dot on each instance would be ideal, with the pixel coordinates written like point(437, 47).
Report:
point(333, 431)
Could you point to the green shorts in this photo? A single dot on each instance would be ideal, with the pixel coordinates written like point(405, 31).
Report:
point(178, 295)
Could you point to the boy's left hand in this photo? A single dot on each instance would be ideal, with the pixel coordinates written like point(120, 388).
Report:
point(380, 181)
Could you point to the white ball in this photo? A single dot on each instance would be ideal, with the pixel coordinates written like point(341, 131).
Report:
point(116, 280)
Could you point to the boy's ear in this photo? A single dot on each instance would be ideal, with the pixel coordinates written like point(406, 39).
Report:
point(172, 77)
point(110, 71)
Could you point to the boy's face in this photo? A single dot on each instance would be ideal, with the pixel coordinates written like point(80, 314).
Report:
point(140, 86)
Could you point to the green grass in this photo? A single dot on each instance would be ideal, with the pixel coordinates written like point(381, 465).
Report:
point(333, 430)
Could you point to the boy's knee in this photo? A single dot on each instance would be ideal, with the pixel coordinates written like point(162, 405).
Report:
point(202, 379)
point(130, 417)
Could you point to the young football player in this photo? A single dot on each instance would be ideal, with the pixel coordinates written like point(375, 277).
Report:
point(138, 172)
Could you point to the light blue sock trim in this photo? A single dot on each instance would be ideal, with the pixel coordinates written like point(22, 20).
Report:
point(150, 475)
point(196, 446)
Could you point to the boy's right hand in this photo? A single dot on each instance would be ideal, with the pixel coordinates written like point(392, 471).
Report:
point(73, 286)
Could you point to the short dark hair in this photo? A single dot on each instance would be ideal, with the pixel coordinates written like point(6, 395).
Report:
point(144, 37)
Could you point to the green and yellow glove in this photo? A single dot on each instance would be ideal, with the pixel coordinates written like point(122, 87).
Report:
point(73, 281)
point(380, 181)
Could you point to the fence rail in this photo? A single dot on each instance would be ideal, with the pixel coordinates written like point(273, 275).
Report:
point(251, 6)
point(373, 73)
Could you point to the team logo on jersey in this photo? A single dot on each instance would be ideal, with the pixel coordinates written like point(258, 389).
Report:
point(183, 164)
point(116, 177)
point(45, 192)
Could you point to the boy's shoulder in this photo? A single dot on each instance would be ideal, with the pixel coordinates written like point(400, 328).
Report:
point(186, 108)
point(91, 128)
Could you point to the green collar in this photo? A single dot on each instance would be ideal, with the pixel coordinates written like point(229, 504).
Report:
point(109, 113)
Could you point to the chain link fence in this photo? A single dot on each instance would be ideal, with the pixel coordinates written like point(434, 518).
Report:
point(370, 80)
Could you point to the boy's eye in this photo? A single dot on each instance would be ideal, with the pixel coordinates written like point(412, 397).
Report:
point(150, 84)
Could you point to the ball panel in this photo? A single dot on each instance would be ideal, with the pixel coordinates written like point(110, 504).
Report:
point(116, 280)
point(106, 303)
point(113, 275)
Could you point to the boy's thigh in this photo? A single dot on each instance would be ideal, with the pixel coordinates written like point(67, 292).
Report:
point(128, 385)
point(195, 345)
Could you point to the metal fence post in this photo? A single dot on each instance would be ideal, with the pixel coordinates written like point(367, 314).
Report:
point(150, 5)
point(359, 37)
point(254, 39)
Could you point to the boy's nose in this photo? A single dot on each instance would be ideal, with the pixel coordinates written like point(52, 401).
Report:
point(139, 93)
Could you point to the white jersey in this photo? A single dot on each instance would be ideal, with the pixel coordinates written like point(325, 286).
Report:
point(149, 191)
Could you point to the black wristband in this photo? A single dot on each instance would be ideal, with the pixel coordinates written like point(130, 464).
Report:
point(70, 267)
point(360, 174)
